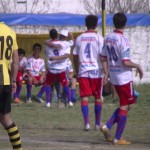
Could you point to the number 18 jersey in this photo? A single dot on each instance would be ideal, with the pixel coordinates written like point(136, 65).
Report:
point(116, 49)
point(7, 45)
point(88, 47)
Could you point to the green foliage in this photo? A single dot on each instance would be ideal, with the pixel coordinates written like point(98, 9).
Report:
point(42, 127)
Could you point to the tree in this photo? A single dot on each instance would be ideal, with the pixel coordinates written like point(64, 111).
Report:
point(112, 6)
point(31, 6)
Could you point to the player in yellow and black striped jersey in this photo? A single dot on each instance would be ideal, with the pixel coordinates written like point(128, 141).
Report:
point(8, 70)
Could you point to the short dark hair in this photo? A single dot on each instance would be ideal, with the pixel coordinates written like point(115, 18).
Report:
point(53, 34)
point(21, 51)
point(37, 45)
point(119, 20)
point(91, 21)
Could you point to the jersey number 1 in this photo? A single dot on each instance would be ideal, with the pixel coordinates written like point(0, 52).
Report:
point(9, 43)
point(112, 53)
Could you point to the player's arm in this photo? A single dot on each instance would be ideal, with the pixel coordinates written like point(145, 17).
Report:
point(105, 68)
point(59, 57)
point(72, 37)
point(76, 63)
point(52, 45)
point(14, 69)
point(15, 65)
point(131, 64)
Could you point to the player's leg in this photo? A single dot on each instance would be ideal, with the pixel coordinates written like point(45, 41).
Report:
point(5, 119)
point(121, 123)
point(85, 112)
point(85, 92)
point(73, 89)
point(40, 93)
point(96, 85)
point(48, 95)
point(29, 88)
point(127, 97)
point(64, 82)
point(19, 88)
point(50, 80)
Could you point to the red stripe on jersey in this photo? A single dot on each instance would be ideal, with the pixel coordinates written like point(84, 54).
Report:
point(90, 31)
point(103, 56)
point(118, 31)
point(126, 60)
point(75, 55)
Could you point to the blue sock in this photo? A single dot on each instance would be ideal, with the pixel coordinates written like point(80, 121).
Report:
point(73, 95)
point(42, 90)
point(85, 111)
point(121, 122)
point(67, 92)
point(18, 90)
point(29, 87)
point(48, 93)
point(113, 119)
point(98, 109)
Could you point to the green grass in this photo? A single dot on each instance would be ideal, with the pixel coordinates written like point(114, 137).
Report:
point(55, 128)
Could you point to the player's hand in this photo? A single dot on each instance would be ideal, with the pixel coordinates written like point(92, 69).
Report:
point(41, 80)
point(52, 58)
point(59, 46)
point(13, 88)
point(140, 72)
point(105, 79)
point(35, 81)
point(70, 34)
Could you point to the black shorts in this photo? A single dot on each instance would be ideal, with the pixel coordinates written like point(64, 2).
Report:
point(5, 99)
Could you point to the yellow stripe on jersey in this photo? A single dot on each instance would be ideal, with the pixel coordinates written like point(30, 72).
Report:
point(7, 45)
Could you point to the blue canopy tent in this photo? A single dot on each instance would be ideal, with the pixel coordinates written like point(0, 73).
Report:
point(65, 19)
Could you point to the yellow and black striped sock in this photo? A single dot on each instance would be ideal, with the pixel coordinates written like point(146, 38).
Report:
point(14, 137)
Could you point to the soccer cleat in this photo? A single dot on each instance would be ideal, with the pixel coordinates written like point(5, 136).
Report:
point(17, 100)
point(121, 142)
point(107, 133)
point(48, 105)
point(70, 104)
point(28, 100)
point(39, 99)
point(87, 127)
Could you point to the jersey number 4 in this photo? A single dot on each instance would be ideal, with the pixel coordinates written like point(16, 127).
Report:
point(87, 50)
point(9, 43)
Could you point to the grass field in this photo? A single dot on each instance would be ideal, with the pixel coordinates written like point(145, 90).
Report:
point(53, 128)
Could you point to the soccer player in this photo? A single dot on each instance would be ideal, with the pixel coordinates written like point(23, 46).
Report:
point(21, 71)
point(56, 59)
point(88, 67)
point(36, 70)
point(116, 55)
point(9, 61)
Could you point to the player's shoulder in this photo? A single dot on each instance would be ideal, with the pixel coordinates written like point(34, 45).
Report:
point(25, 59)
point(41, 60)
point(30, 58)
point(7, 29)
